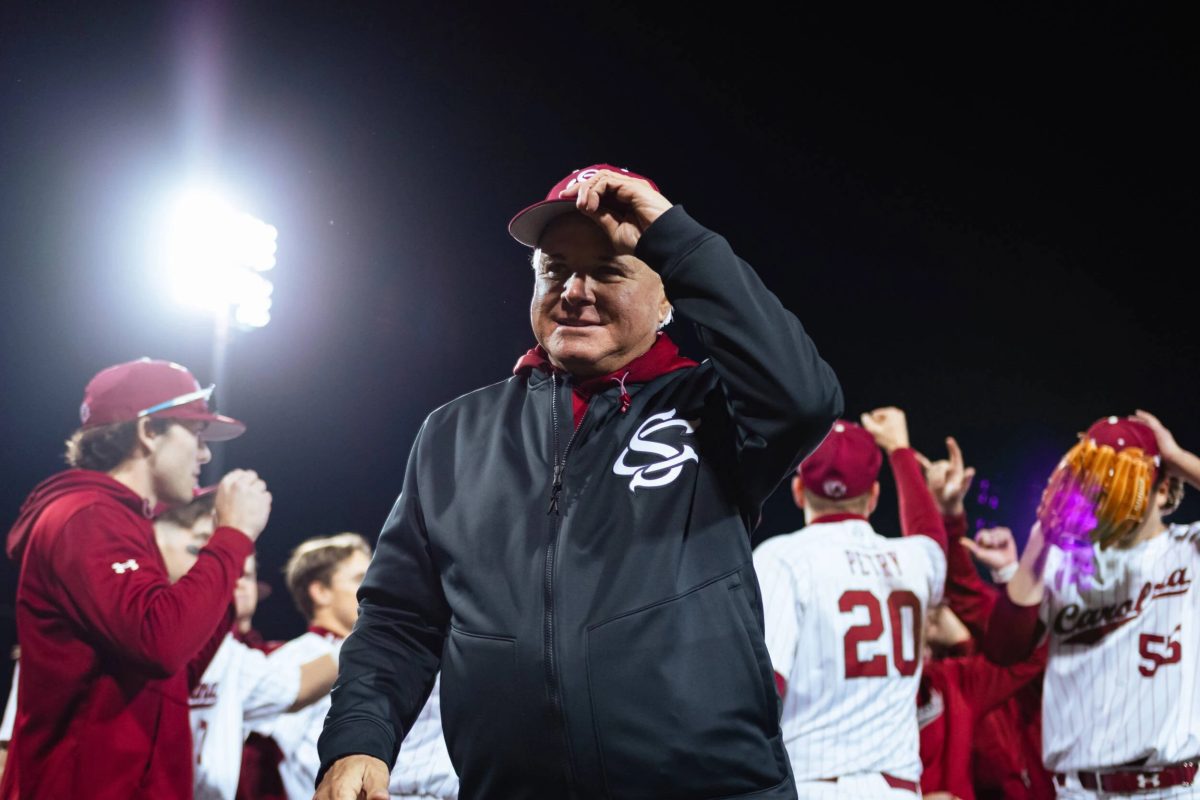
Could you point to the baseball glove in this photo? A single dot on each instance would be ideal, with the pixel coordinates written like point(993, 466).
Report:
point(1097, 493)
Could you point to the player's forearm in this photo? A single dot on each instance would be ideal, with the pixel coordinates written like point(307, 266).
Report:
point(969, 597)
point(1027, 587)
point(316, 679)
point(1186, 465)
point(919, 513)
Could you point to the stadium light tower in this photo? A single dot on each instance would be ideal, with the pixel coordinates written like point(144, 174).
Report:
point(216, 259)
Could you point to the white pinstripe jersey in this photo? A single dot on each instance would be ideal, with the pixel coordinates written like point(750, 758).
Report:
point(423, 768)
point(10, 709)
point(845, 616)
point(1122, 679)
point(296, 733)
point(240, 685)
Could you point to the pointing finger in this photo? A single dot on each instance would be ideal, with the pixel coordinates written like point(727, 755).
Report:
point(956, 456)
point(972, 548)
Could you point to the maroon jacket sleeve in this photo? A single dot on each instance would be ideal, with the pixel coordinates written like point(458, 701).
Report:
point(968, 596)
point(918, 512)
point(118, 589)
point(987, 685)
point(1012, 632)
point(199, 662)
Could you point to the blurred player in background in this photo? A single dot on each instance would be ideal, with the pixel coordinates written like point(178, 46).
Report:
point(240, 685)
point(10, 710)
point(1121, 707)
point(845, 609)
point(323, 576)
point(105, 636)
point(980, 723)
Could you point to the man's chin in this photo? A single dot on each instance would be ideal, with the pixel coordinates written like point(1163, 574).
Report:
point(576, 352)
point(177, 496)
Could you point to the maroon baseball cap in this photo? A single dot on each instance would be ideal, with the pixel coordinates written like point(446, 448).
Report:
point(1121, 432)
point(845, 465)
point(527, 226)
point(152, 388)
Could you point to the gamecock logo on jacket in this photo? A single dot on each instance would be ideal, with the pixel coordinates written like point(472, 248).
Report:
point(657, 473)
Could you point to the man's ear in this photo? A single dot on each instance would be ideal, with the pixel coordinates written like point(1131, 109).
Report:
point(147, 436)
point(798, 491)
point(320, 594)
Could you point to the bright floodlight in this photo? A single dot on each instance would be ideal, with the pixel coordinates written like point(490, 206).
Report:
point(215, 255)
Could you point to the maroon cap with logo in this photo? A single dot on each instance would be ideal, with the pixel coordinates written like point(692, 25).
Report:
point(151, 388)
point(527, 226)
point(1121, 432)
point(845, 465)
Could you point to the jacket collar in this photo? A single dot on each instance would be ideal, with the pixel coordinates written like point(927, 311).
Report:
point(662, 357)
point(324, 633)
point(839, 516)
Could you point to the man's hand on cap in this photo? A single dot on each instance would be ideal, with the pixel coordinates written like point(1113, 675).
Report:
point(622, 205)
point(888, 426)
point(243, 502)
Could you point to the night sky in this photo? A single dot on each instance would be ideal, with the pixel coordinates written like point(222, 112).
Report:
point(979, 215)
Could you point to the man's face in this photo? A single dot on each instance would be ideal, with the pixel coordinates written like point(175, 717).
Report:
point(342, 595)
point(592, 310)
point(245, 591)
point(175, 461)
point(180, 547)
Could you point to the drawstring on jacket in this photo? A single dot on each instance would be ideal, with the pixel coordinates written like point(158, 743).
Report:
point(626, 400)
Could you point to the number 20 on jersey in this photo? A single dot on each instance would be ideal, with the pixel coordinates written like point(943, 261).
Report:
point(905, 622)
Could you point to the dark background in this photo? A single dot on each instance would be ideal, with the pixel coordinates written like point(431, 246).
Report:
point(979, 215)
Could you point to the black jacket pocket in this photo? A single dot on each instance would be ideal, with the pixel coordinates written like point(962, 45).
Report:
point(680, 704)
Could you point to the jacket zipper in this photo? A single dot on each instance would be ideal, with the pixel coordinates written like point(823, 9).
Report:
point(553, 511)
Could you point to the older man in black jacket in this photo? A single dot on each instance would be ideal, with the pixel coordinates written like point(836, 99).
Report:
point(571, 545)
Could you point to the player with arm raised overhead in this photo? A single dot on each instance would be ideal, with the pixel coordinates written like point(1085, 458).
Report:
point(845, 608)
point(1109, 583)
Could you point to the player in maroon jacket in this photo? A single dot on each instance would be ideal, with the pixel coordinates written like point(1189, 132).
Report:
point(106, 638)
point(990, 735)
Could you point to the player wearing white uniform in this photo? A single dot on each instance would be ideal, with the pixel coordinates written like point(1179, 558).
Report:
point(845, 610)
point(323, 576)
point(1121, 701)
point(10, 717)
point(239, 684)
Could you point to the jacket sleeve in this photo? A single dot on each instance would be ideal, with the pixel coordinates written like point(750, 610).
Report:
point(1012, 633)
point(119, 591)
point(389, 662)
point(199, 663)
point(969, 597)
point(919, 513)
point(987, 685)
point(781, 396)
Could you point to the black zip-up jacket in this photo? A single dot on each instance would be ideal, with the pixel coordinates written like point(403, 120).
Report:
point(611, 647)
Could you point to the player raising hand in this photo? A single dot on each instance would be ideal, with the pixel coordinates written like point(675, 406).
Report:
point(845, 608)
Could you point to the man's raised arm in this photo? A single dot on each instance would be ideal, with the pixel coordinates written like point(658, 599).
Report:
point(781, 394)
